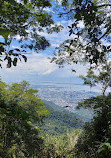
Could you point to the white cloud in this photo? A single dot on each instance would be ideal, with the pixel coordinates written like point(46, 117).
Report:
point(18, 37)
point(19, 1)
point(81, 24)
point(55, 45)
point(59, 1)
point(37, 63)
point(13, 46)
point(48, 10)
point(41, 65)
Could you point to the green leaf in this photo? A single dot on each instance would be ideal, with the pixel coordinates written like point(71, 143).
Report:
point(4, 33)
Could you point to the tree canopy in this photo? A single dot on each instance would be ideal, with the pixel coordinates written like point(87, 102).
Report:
point(99, 77)
point(95, 140)
point(25, 19)
point(21, 113)
point(90, 42)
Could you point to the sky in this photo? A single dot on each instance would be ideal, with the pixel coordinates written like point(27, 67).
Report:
point(38, 65)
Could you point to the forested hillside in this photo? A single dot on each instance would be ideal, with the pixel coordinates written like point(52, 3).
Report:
point(60, 120)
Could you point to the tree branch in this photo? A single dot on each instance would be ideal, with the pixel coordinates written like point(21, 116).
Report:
point(99, 6)
point(105, 33)
point(104, 5)
point(67, 12)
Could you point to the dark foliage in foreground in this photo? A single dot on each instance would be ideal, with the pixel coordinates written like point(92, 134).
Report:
point(20, 110)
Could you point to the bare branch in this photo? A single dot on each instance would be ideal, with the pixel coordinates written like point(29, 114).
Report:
point(104, 5)
point(67, 12)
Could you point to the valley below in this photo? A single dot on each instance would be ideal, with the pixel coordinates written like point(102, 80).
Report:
point(61, 99)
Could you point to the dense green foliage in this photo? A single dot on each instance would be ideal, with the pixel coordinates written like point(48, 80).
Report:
point(60, 120)
point(96, 138)
point(28, 18)
point(20, 110)
point(61, 146)
point(91, 40)
point(98, 131)
point(24, 19)
point(21, 115)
